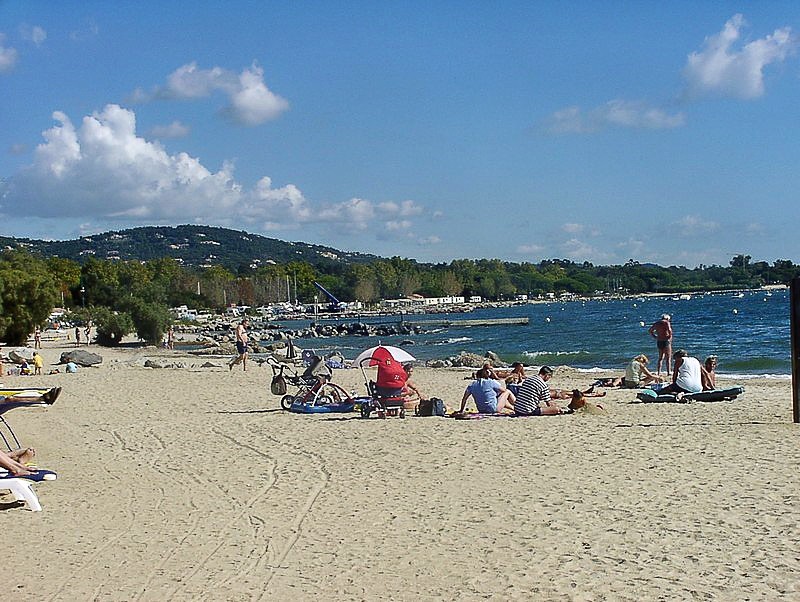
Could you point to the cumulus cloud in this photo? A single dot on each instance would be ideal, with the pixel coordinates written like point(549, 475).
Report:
point(174, 130)
point(101, 170)
point(250, 101)
point(722, 69)
point(8, 55)
point(34, 34)
point(615, 113)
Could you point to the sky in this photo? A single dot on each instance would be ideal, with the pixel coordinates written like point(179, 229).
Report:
point(664, 132)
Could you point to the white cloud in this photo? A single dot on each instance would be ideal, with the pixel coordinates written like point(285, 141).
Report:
point(615, 113)
point(572, 228)
point(34, 34)
point(80, 35)
point(720, 69)
point(251, 102)
point(8, 56)
point(398, 225)
point(531, 249)
point(102, 171)
point(174, 130)
point(404, 208)
point(577, 249)
point(429, 240)
point(692, 225)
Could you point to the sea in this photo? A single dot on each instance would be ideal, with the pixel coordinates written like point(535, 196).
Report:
point(749, 332)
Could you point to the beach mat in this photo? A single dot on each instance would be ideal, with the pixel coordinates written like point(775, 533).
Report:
point(704, 396)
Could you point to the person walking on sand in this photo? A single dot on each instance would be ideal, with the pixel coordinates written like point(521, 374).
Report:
point(37, 338)
point(241, 346)
point(661, 331)
point(171, 337)
point(77, 336)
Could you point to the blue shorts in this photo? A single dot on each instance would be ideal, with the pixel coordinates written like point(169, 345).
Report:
point(663, 344)
point(241, 348)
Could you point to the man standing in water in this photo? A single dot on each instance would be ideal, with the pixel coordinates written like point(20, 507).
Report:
point(241, 345)
point(661, 331)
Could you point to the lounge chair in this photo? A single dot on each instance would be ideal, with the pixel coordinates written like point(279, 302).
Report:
point(22, 487)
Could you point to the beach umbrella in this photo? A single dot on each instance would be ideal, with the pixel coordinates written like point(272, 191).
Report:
point(383, 352)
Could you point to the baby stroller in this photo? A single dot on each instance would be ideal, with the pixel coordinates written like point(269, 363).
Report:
point(315, 392)
point(384, 401)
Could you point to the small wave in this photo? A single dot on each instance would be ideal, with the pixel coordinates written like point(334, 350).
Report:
point(739, 376)
point(452, 341)
point(757, 365)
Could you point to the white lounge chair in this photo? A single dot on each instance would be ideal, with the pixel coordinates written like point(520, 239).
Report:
point(22, 487)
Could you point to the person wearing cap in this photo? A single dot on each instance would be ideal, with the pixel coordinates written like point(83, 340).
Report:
point(688, 376)
point(661, 331)
point(533, 398)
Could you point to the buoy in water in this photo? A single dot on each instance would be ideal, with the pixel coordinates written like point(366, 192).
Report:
point(641, 323)
point(547, 319)
point(736, 311)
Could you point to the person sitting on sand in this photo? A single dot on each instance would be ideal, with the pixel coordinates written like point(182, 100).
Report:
point(687, 376)
point(15, 461)
point(490, 395)
point(516, 375)
point(411, 394)
point(710, 374)
point(637, 375)
point(533, 398)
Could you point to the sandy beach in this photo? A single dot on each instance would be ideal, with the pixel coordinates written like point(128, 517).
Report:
point(192, 484)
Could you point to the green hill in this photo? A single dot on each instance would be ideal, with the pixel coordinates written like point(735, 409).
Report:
point(193, 246)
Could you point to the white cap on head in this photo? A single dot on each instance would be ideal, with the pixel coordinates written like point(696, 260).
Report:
point(665, 317)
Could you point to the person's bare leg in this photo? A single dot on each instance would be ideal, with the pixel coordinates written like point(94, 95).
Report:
point(505, 401)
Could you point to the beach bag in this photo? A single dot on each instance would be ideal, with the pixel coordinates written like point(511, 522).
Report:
point(430, 407)
point(278, 386)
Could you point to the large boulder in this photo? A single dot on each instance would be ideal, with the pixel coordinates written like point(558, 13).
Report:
point(21, 353)
point(81, 357)
point(467, 360)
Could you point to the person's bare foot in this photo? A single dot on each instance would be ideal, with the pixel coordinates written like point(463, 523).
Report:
point(27, 455)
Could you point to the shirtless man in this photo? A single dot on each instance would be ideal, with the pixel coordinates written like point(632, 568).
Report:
point(241, 345)
point(661, 331)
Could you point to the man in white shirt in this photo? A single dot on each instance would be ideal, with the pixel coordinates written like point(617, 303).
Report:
point(688, 374)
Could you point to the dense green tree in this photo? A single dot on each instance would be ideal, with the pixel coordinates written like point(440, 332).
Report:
point(111, 325)
point(28, 293)
point(151, 320)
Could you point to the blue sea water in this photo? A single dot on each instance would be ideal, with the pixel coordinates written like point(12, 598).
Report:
point(750, 334)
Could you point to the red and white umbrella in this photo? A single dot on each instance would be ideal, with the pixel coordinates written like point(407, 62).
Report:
point(382, 352)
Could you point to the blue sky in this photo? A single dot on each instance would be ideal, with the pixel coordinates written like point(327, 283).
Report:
point(592, 131)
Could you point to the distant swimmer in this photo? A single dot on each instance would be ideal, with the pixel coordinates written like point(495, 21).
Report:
point(661, 331)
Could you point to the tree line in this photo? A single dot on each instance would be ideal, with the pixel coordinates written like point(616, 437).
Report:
point(121, 297)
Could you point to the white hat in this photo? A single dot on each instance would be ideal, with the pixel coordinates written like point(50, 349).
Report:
point(665, 317)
